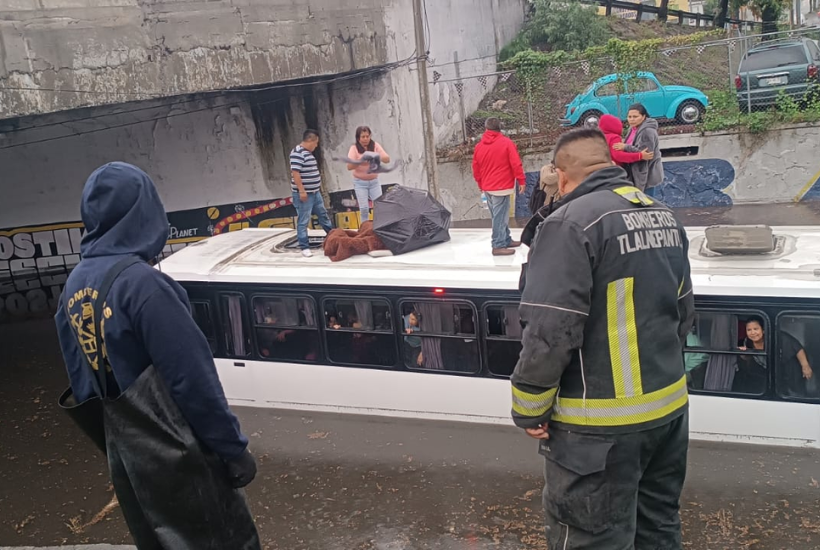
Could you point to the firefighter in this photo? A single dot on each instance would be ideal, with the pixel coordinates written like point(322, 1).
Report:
point(600, 380)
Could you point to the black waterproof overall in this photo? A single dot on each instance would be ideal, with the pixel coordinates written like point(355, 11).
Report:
point(174, 493)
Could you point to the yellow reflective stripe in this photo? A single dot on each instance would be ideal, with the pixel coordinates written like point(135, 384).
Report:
point(532, 404)
point(622, 412)
point(622, 333)
point(680, 288)
point(634, 195)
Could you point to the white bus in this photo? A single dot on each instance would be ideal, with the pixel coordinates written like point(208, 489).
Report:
point(435, 333)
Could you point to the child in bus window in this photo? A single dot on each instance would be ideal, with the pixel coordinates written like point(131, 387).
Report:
point(412, 348)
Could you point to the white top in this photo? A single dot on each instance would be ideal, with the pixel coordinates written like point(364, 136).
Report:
point(466, 261)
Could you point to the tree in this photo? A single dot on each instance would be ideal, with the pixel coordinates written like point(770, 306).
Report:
point(769, 12)
point(718, 8)
point(663, 12)
point(567, 25)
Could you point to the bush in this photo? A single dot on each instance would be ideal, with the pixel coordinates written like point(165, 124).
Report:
point(567, 25)
point(519, 44)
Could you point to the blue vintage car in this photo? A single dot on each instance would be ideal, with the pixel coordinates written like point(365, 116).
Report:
point(681, 103)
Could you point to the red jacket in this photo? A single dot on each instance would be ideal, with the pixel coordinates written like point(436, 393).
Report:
point(496, 164)
point(612, 128)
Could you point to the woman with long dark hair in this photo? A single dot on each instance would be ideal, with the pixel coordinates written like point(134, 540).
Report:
point(643, 136)
point(365, 184)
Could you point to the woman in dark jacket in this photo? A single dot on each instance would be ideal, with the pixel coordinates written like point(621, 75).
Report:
point(643, 136)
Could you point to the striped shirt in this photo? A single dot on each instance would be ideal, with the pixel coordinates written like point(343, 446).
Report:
point(303, 161)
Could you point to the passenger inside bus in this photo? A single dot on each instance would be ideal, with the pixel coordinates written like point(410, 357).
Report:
point(360, 332)
point(447, 337)
point(751, 369)
point(412, 344)
point(796, 374)
point(279, 322)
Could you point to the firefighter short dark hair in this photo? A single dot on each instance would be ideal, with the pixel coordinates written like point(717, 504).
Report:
point(582, 147)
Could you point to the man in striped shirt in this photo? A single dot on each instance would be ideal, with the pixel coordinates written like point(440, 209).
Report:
point(305, 185)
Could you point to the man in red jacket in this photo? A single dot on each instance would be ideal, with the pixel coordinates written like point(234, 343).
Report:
point(496, 167)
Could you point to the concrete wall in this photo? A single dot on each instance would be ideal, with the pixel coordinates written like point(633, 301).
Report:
point(208, 156)
point(135, 49)
point(719, 169)
point(486, 27)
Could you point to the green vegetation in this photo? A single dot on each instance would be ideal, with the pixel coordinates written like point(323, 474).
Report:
point(723, 113)
point(566, 25)
point(627, 56)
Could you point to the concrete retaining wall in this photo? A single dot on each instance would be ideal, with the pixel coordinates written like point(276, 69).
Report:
point(719, 169)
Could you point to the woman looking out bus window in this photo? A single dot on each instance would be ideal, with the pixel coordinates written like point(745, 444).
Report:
point(751, 369)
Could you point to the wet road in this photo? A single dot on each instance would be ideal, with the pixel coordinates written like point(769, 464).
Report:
point(355, 483)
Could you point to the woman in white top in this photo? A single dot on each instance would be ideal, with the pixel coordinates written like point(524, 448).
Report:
point(366, 185)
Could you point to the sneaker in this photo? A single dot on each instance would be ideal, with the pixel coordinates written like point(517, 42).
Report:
point(307, 253)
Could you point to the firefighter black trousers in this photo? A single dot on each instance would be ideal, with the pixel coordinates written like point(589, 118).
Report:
point(615, 492)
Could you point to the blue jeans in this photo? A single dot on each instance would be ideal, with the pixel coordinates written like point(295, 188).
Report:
point(366, 191)
point(650, 191)
point(304, 210)
point(500, 212)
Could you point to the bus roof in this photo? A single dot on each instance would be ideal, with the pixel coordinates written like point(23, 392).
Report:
point(262, 256)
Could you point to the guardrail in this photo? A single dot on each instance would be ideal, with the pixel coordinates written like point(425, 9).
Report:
point(700, 19)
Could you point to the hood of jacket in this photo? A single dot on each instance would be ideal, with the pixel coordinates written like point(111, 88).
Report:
point(490, 136)
point(611, 125)
point(122, 213)
point(649, 123)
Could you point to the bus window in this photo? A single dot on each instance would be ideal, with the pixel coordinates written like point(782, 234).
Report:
point(798, 353)
point(286, 328)
point(503, 338)
point(360, 332)
point(201, 312)
point(234, 325)
point(440, 336)
point(726, 353)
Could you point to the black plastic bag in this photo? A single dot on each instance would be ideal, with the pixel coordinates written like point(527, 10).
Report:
point(407, 219)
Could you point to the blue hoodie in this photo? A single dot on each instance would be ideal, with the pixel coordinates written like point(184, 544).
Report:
point(148, 317)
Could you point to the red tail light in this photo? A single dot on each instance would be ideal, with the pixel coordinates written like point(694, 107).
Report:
point(812, 71)
point(738, 82)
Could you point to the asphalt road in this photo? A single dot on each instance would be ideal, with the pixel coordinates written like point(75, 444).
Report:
point(357, 483)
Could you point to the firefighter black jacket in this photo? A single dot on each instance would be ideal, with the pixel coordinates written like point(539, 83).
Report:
point(606, 305)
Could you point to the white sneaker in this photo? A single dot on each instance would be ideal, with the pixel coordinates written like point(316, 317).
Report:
point(307, 253)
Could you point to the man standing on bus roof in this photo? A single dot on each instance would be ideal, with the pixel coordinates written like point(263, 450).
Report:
point(306, 184)
point(605, 322)
point(496, 167)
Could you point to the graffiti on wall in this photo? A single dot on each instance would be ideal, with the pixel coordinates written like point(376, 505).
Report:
point(686, 183)
point(35, 261)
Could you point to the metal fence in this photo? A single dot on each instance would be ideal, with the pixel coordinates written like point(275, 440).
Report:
point(707, 86)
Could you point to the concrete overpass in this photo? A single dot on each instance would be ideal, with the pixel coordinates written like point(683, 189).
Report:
point(209, 97)
point(64, 54)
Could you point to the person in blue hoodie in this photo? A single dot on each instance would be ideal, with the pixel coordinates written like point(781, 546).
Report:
point(188, 498)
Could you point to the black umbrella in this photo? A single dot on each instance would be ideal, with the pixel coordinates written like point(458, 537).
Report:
point(408, 219)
